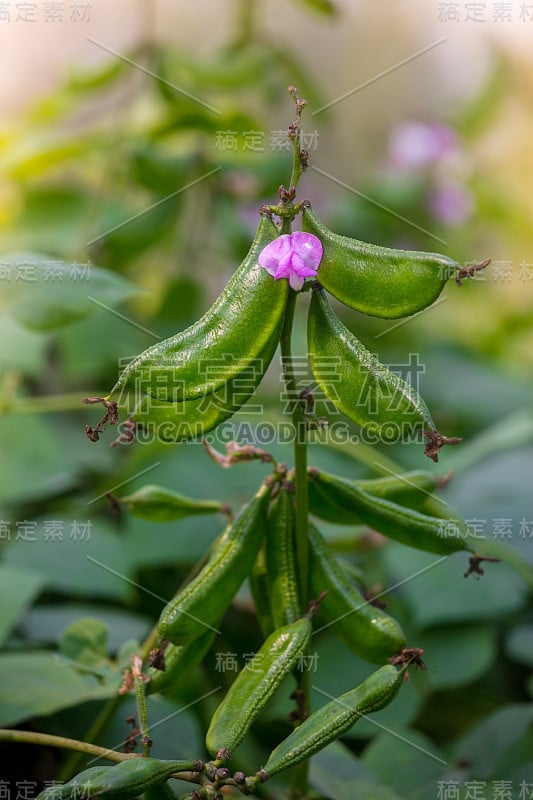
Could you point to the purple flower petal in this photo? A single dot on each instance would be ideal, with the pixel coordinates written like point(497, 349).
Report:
point(294, 256)
point(308, 247)
point(270, 256)
point(296, 281)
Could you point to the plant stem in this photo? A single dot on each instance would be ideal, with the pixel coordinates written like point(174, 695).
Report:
point(41, 405)
point(299, 773)
point(299, 777)
point(46, 739)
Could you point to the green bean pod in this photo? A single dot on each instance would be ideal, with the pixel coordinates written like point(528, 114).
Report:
point(241, 328)
point(205, 599)
point(368, 631)
point(180, 660)
point(335, 718)
point(133, 776)
point(159, 504)
point(76, 787)
point(377, 280)
point(361, 387)
point(260, 590)
point(255, 685)
point(405, 525)
point(281, 561)
point(191, 420)
point(409, 489)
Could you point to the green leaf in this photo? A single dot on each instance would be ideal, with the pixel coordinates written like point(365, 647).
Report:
point(33, 460)
point(337, 774)
point(158, 504)
point(42, 293)
point(473, 648)
point(438, 594)
point(39, 683)
point(18, 589)
point(86, 641)
point(184, 543)
point(21, 351)
point(519, 644)
point(482, 747)
point(405, 760)
point(93, 563)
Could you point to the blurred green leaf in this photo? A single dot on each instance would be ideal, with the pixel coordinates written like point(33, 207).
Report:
point(406, 761)
point(519, 644)
point(182, 543)
point(42, 293)
point(33, 459)
point(438, 594)
point(337, 774)
point(38, 683)
point(18, 589)
point(483, 747)
point(52, 219)
point(85, 641)
point(457, 655)
point(505, 434)
point(126, 230)
point(21, 351)
point(162, 173)
point(497, 492)
point(90, 560)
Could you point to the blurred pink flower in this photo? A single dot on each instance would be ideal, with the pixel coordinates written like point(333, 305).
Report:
point(295, 256)
point(451, 203)
point(414, 145)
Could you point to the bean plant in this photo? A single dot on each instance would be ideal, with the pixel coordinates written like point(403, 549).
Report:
point(180, 390)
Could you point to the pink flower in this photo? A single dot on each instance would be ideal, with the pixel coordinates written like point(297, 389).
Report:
point(295, 256)
point(415, 145)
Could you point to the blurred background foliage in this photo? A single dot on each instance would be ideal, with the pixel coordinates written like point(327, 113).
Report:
point(150, 167)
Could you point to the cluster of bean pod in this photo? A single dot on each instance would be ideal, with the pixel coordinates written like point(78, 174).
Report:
point(187, 385)
point(258, 545)
point(171, 383)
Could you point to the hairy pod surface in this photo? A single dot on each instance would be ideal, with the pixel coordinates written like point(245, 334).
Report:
point(134, 776)
point(335, 718)
point(405, 525)
point(191, 420)
point(242, 328)
point(409, 489)
point(255, 685)
point(260, 590)
point(368, 631)
point(75, 787)
point(281, 562)
point(204, 600)
point(377, 280)
point(362, 388)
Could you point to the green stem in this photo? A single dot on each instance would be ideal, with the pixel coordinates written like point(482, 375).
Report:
point(142, 710)
point(295, 137)
point(299, 773)
point(41, 405)
point(46, 739)
point(299, 777)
